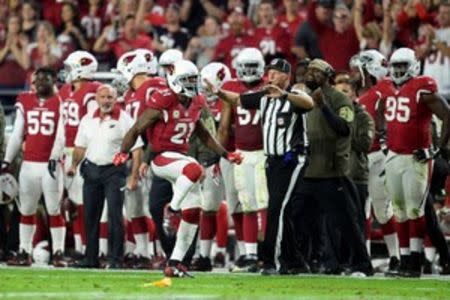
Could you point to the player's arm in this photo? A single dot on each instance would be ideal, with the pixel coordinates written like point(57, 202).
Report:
point(229, 97)
point(136, 155)
point(145, 120)
point(223, 131)
point(78, 156)
point(205, 136)
point(16, 138)
point(441, 109)
point(60, 139)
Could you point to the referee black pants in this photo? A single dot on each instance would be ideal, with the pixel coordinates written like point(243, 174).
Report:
point(100, 183)
point(280, 248)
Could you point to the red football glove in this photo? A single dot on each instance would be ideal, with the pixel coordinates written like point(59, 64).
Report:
point(120, 158)
point(235, 157)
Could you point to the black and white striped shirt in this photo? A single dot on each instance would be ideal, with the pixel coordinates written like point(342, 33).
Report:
point(284, 125)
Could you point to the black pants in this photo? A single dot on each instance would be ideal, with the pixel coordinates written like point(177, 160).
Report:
point(435, 232)
point(280, 244)
point(160, 195)
point(360, 204)
point(9, 229)
point(331, 200)
point(102, 182)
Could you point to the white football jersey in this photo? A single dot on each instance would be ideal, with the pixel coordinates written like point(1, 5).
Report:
point(437, 65)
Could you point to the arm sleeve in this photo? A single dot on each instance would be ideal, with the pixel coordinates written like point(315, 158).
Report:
point(60, 139)
point(252, 100)
point(16, 138)
point(336, 123)
point(127, 122)
point(364, 131)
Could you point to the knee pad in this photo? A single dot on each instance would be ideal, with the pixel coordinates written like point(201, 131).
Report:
point(191, 215)
point(193, 171)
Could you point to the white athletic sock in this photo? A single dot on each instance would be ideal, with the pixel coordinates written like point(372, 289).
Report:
point(405, 251)
point(185, 236)
point(150, 249)
point(78, 243)
point(103, 246)
point(368, 243)
point(26, 233)
point(241, 247)
point(391, 241)
point(58, 238)
point(416, 245)
point(141, 248)
point(205, 248)
point(222, 250)
point(430, 253)
point(251, 249)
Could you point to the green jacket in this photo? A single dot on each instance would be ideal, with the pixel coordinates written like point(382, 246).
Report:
point(197, 149)
point(330, 153)
point(362, 140)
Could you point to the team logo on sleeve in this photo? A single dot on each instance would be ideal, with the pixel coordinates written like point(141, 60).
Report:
point(346, 113)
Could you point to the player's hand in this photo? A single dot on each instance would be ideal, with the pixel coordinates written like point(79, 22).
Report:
point(51, 166)
point(120, 158)
point(71, 171)
point(143, 170)
point(423, 155)
point(132, 183)
point(235, 157)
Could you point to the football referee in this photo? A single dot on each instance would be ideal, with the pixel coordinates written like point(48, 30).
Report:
point(285, 145)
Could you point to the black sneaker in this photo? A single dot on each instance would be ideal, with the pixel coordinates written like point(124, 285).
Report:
point(445, 269)
point(414, 269)
point(84, 264)
point(129, 261)
point(22, 259)
point(202, 264)
point(403, 267)
point(269, 271)
point(394, 264)
point(251, 264)
point(143, 263)
point(427, 267)
point(219, 260)
point(239, 264)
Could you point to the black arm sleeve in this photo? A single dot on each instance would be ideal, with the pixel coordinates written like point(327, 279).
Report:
point(252, 100)
point(335, 122)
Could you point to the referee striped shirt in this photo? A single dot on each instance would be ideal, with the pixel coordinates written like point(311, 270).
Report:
point(284, 125)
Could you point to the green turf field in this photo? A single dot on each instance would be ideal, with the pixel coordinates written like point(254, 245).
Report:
point(16, 283)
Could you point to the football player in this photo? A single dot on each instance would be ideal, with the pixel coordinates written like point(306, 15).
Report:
point(217, 74)
point(249, 178)
point(372, 88)
point(39, 126)
point(78, 96)
point(139, 68)
point(173, 116)
point(408, 111)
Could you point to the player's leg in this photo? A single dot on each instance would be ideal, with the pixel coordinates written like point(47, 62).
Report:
point(382, 205)
point(134, 207)
point(183, 171)
point(29, 193)
point(74, 187)
point(53, 192)
point(190, 218)
point(261, 192)
point(103, 235)
point(208, 220)
point(221, 236)
point(395, 168)
point(416, 182)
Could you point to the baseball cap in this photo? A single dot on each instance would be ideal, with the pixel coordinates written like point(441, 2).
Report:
point(279, 64)
point(326, 3)
point(321, 65)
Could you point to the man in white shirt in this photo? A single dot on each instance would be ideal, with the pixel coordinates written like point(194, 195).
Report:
point(99, 137)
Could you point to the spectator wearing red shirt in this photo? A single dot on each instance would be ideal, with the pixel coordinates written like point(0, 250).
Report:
point(237, 39)
point(46, 51)
point(273, 39)
point(339, 43)
point(12, 67)
point(292, 16)
point(120, 41)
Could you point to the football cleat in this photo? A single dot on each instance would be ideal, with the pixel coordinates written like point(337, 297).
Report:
point(219, 260)
point(20, 259)
point(143, 263)
point(178, 270)
point(202, 264)
point(59, 260)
